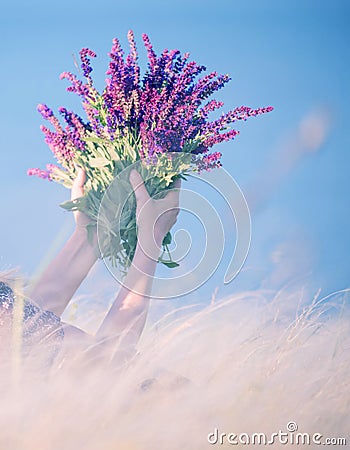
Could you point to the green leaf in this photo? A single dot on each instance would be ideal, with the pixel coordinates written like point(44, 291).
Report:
point(93, 139)
point(170, 264)
point(68, 205)
point(98, 162)
point(91, 229)
point(167, 239)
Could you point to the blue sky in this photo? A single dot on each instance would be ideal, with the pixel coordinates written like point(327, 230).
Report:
point(291, 54)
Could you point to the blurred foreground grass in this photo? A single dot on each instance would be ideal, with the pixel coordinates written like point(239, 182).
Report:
point(249, 363)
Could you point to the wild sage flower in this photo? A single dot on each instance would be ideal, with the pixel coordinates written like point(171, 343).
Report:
point(138, 117)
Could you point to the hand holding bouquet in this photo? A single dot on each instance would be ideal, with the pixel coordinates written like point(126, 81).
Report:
point(159, 120)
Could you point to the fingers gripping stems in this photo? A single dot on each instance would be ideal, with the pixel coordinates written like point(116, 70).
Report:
point(156, 214)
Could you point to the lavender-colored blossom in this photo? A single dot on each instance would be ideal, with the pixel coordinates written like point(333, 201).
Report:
point(75, 129)
point(44, 174)
point(85, 55)
point(152, 58)
point(77, 86)
point(133, 57)
point(48, 114)
point(60, 145)
point(45, 111)
point(209, 162)
point(209, 107)
point(164, 111)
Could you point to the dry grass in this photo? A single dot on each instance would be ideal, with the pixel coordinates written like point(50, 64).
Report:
point(241, 364)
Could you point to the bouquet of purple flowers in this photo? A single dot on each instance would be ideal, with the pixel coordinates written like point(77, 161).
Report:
point(146, 119)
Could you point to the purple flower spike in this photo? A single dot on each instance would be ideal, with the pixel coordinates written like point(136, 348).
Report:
point(77, 86)
point(47, 114)
point(45, 111)
point(44, 174)
point(151, 55)
point(167, 111)
point(85, 55)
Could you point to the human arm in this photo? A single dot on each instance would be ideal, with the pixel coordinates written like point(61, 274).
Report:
point(125, 320)
point(64, 274)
